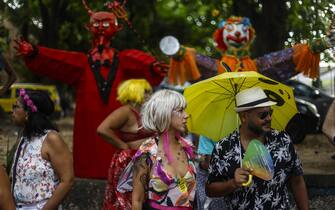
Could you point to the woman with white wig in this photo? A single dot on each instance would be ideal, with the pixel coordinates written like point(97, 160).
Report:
point(163, 170)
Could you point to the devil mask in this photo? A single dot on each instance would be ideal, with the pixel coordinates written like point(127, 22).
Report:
point(103, 26)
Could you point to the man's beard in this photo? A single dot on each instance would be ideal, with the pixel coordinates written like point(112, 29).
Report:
point(257, 129)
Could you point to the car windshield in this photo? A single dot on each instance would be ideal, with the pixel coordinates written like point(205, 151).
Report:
point(303, 90)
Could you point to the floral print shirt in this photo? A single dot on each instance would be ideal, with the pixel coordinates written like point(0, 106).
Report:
point(163, 189)
point(272, 194)
point(35, 178)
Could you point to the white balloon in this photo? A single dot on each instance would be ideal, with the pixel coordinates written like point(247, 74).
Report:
point(169, 45)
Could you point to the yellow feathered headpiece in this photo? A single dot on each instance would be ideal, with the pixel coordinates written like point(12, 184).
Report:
point(133, 90)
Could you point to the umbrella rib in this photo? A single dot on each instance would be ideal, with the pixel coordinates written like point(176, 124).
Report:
point(253, 85)
point(222, 86)
point(229, 104)
point(221, 93)
point(232, 85)
point(222, 99)
point(241, 85)
point(245, 83)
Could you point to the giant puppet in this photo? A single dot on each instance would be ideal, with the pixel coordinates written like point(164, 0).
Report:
point(95, 77)
point(234, 38)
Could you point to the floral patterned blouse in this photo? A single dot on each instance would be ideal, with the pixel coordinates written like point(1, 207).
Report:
point(35, 179)
point(164, 189)
point(272, 194)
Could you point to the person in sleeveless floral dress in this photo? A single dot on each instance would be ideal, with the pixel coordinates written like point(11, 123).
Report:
point(42, 172)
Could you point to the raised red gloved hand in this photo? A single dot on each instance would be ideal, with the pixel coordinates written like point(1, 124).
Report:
point(23, 47)
point(160, 68)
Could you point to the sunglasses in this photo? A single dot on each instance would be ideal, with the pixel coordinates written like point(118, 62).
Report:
point(263, 115)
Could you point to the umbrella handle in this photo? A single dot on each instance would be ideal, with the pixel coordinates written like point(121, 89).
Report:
point(246, 184)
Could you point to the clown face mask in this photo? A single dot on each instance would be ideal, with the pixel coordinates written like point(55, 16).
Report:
point(236, 35)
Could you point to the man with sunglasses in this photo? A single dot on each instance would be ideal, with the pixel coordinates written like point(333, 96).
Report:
point(226, 175)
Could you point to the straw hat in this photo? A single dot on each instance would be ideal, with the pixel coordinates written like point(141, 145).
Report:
point(252, 98)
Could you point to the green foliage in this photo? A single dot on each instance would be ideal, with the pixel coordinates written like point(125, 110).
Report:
point(309, 18)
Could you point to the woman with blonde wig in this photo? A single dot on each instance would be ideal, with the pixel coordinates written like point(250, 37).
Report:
point(124, 130)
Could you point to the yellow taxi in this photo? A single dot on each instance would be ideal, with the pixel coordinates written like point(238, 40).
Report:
point(8, 99)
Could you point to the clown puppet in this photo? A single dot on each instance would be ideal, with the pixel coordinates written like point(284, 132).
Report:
point(95, 77)
point(234, 38)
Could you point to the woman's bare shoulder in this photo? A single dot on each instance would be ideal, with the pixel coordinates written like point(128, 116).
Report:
point(124, 110)
point(54, 139)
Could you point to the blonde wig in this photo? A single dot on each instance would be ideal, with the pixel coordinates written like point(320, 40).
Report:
point(133, 90)
point(157, 111)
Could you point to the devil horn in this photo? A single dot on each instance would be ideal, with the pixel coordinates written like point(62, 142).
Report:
point(90, 12)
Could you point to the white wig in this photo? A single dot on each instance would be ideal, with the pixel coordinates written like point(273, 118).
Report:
point(157, 111)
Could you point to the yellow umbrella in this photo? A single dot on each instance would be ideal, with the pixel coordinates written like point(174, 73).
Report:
point(211, 103)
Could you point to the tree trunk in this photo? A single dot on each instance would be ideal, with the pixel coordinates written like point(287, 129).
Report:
point(52, 18)
point(269, 20)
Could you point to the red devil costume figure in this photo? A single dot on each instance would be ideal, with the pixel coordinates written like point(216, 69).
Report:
point(95, 77)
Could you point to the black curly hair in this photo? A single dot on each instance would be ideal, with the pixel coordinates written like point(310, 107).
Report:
point(38, 122)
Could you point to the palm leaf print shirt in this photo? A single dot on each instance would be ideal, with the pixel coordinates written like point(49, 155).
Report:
point(267, 195)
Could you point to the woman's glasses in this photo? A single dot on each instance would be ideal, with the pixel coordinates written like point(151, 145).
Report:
point(179, 111)
point(263, 115)
point(15, 106)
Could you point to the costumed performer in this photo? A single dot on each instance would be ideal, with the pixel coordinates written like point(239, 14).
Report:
point(95, 77)
point(162, 172)
point(123, 128)
point(234, 38)
point(42, 172)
